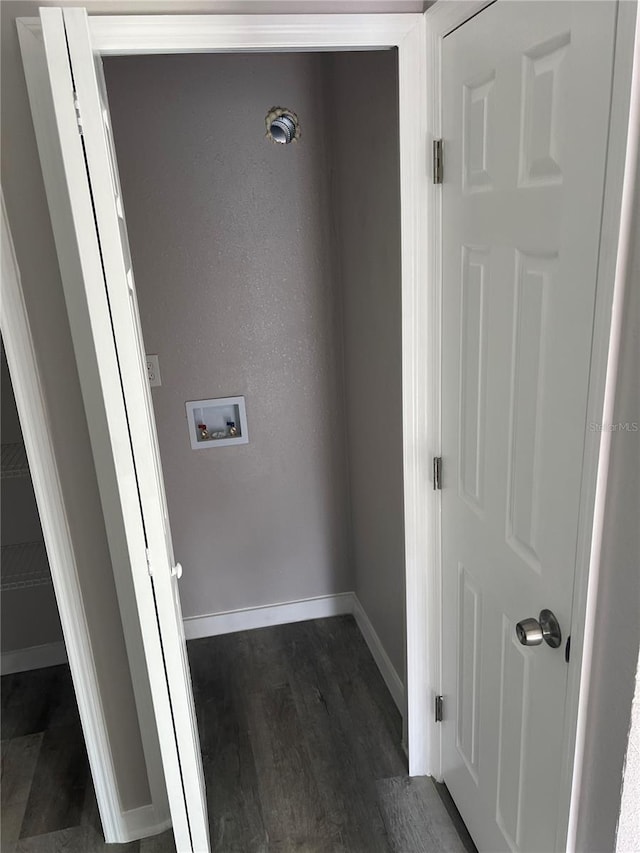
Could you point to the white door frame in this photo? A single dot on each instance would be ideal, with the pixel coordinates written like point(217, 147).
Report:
point(418, 39)
point(34, 421)
point(118, 35)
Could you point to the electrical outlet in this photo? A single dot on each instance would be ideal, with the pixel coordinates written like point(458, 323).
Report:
point(153, 370)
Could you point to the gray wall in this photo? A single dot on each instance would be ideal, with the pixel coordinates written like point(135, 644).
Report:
point(29, 616)
point(238, 294)
point(367, 201)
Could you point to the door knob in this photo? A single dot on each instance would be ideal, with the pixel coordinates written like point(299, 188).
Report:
point(176, 571)
point(531, 632)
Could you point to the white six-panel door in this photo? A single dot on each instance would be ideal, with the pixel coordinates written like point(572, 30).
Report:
point(113, 337)
point(526, 91)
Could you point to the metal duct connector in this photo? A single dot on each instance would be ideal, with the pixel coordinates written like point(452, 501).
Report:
point(283, 130)
point(283, 126)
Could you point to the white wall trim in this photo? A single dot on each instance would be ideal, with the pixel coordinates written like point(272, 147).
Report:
point(418, 503)
point(144, 822)
point(382, 659)
point(34, 60)
point(282, 613)
point(187, 34)
point(302, 610)
point(33, 657)
point(440, 19)
point(34, 420)
point(137, 34)
point(616, 242)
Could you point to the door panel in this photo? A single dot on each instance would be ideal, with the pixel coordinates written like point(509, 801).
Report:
point(133, 452)
point(526, 91)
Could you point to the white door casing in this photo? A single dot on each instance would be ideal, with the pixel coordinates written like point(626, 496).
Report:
point(115, 336)
point(526, 100)
point(79, 255)
point(148, 34)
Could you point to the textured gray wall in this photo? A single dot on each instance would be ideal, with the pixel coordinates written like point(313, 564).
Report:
point(238, 294)
point(366, 192)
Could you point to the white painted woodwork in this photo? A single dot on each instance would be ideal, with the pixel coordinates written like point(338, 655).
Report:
point(34, 422)
point(92, 188)
point(64, 229)
point(587, 691)
point(169, 34)
point(137, 34)
point(526, 101)
point(116, 258)
point(406, 33)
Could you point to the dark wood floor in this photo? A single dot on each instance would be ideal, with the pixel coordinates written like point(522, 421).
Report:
point(301, 750)
point(46, 798)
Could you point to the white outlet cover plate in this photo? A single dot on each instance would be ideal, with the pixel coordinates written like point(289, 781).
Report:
point(153, 370)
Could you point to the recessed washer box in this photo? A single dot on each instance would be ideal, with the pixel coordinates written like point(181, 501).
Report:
point(217, 423)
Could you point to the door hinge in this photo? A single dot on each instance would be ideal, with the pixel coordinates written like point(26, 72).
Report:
point(76, 104)
point(149, 564)
point(439, 708)
point(437, 472)
point(437, 161)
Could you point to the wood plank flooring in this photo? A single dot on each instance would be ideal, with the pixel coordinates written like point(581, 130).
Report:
point(47, 802)
point(300, 743)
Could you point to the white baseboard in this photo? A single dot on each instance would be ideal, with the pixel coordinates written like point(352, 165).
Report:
point(214, 624)
point(227, 622)
point(142, 823)
point(387, 669)
point(33, 657)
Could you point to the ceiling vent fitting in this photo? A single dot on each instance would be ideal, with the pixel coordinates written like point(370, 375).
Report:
point(283, 126)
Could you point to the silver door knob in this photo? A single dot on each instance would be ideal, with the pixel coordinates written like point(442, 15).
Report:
point(176, 571)
point(531, 632)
